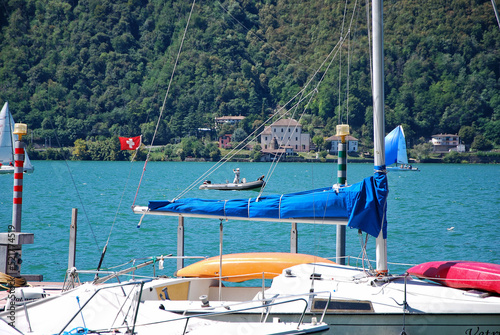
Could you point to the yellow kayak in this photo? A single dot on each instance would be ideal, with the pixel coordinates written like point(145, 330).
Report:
point(245, 266)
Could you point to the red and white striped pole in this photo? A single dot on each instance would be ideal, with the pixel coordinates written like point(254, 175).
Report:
point(20, 129)
point(14, 255)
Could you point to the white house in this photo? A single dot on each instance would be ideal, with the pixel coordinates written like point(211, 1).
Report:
point(352, 143)
point(447, 142)
point(229, 120)
point(288, 133)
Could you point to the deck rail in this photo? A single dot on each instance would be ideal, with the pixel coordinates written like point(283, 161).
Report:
point(266, 304)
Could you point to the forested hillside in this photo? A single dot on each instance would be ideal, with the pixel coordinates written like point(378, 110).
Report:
point(94, 69)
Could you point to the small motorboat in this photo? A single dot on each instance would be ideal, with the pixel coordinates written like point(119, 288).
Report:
point(402, 168)
point(244, 185)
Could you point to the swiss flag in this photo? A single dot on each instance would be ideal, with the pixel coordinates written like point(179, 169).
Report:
point(130, 143)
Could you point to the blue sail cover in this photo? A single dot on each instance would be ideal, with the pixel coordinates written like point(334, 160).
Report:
point(395, 147)
point(363, 204)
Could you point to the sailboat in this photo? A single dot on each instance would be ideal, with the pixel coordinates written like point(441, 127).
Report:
point(395, 151)
point(350, 300)
point(7, 140)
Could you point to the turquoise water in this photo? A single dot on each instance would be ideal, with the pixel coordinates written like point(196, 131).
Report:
point(422, 206)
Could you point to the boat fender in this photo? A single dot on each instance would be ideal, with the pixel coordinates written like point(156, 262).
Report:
point(25, 294)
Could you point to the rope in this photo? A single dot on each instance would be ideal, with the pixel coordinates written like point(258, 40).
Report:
point(118, 210)
point(340, 62)
point(301, 95)
point(349, 61)
point(165, 98)
point(331, 55)
point(496, 12)
point(12, 281)
point(74, 185)
point(369, 41)
point(77, 330)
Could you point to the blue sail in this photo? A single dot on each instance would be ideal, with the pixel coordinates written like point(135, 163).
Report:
point(395, 147)
point(363, 204)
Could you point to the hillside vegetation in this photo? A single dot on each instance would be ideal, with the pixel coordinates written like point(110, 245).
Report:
point(96, 69)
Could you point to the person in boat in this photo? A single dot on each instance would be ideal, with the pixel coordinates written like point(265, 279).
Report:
point(236, 175)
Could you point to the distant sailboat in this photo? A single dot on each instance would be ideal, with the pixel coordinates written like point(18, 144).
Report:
point(7, 140)
point(395, 151)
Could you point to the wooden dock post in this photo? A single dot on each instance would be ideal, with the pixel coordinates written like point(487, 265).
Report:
point(72, 239)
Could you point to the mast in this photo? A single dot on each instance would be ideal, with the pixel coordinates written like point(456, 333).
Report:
point(378, 114)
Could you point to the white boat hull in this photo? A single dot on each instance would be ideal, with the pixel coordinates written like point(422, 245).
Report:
point(359, 304)
point(397, 168)
point(380, 324)
point(233, 186)
point(7, 141)
point(10, 169)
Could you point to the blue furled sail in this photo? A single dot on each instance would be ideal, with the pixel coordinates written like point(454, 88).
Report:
point(363, 204)
point(395, 147)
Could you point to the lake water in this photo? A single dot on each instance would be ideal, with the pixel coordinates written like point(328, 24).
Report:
point(422, 207)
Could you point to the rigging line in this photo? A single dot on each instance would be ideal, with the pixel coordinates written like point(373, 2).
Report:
point(300, 93)
point(307, 105)
point(231, 154)
point(74, 184)
point(121, 199)
point(166, 95)
point(224, 159)
point(221, 162)
point(294, 108)
point(340, 64)
point(496, 11)
point(368, 23)
point(263, 40)
point(235, 151)
point(349, 58)
point(348, 37)
point(348, 73)
point(314, 90)
point(275, 162)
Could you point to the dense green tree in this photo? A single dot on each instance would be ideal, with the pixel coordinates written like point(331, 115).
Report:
point(467, 134)
point(421, 151)
point(94, 70)
point(481, 143)
point(239, 135)
point(319, 141)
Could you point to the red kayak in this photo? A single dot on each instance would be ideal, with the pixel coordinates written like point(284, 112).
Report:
point(461, 274)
